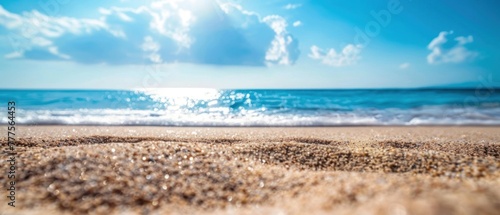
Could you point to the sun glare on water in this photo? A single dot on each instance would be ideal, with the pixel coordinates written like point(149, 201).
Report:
point(181, 95)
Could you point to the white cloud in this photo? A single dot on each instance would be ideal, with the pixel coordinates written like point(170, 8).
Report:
point(292, 6)
point(173, 20)
point(186, 30)
point(277, 23)
point(283, 49)
point(34, 30)
point(14, 55)
point(151, 47)
point(228, 7)
point(297, 23)
point(241, 16)
point(37, 30)
point(55, 51)
point(456, 54)
point(404, 65)
point(348, 56)
point(104, 11)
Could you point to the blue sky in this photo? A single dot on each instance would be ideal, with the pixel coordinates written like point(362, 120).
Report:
point(249, 44)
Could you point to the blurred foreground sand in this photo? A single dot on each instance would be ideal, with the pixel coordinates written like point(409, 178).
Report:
point(341, 170)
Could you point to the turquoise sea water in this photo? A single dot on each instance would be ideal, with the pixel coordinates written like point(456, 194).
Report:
point(212, 107)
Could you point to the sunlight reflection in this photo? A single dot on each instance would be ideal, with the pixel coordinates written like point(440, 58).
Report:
point(183, 98)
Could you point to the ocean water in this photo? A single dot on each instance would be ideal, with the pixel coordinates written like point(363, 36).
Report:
point(212, 107)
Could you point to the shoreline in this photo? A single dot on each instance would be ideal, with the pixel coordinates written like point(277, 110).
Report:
point(248, 170)
point(264, 126)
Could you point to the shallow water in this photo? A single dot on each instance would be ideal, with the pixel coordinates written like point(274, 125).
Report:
point(212, 107)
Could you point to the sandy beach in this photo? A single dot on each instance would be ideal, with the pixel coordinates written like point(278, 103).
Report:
point(334, 170)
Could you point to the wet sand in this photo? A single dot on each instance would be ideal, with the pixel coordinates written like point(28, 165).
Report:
point(339, 170)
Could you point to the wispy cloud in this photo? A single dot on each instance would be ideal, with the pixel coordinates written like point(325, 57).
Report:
point(151, 47)
point(404, 65)
point(456, 54)
point(34, 30)
point(292, 6)
point(297, 23)
point(349, 55)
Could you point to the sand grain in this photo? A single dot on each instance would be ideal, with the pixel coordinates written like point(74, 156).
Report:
point(144, 170)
